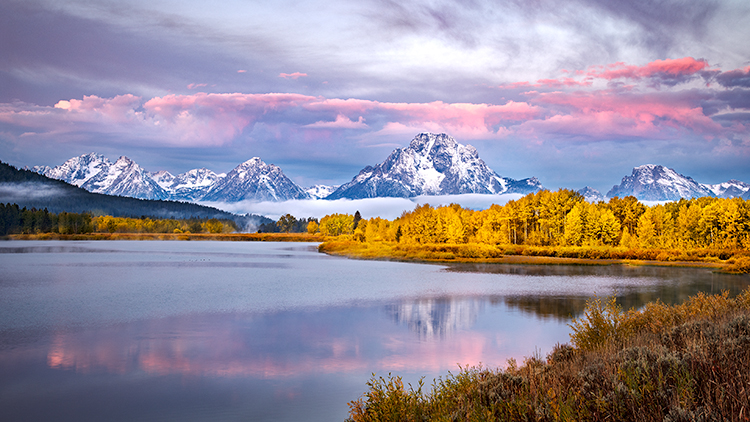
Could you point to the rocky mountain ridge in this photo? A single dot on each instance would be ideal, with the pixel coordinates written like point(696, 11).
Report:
point(651, 182)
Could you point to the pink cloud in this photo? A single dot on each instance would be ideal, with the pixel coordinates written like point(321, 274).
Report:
point(575, 109)
point(341, 122)
point(677, 69)
point(194, 86)
point(295, 75)
point(609, 114)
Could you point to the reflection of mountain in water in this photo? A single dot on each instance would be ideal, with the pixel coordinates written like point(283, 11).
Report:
point(436, 317)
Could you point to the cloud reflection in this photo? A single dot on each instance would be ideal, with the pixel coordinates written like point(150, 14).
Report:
point(291, 344)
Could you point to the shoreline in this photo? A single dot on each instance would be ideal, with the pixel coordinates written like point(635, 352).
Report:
point(536, 260)
point(344, 249)
point(221, 237)
point(354, 251)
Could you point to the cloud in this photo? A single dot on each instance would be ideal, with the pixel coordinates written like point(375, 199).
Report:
point(26, 191)
point(735, 78)
point(389, 208)
point(295, 75)
point(669, 72)
point(341, 122)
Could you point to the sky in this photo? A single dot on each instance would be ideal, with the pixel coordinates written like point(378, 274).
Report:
point(575, 93)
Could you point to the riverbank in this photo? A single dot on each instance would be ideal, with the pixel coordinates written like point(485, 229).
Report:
point(515, 254)
point(681, 362)
point(224, 237)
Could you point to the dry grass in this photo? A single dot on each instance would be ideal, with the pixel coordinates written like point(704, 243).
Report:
point(688, 362)
point(519, 254)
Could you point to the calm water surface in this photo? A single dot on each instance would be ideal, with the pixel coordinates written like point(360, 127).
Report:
point(244, 331)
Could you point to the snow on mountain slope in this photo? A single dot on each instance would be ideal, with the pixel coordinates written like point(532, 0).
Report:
point(591, 195)
point(320, 191)
point(257, 181)
point(189, 186)
point(432, 164)
point(730, 189)
point(77, 170)
point(125, 178)
point(652, 182)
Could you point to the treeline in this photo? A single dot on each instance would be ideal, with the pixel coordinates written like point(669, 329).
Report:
point(562, 218)
point(15, 220)
point(287, 223)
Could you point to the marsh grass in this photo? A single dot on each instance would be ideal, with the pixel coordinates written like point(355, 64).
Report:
point(687, 362)
point(734, 261)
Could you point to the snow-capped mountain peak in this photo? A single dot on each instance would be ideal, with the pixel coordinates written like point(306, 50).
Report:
point(730, 189)
point(320, 191)
point(432, 164)
point(653, 182)
point(255, 180)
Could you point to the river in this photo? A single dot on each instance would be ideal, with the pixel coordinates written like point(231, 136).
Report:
point(261, 331)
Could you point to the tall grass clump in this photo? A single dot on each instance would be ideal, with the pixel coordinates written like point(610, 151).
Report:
point(686, 362)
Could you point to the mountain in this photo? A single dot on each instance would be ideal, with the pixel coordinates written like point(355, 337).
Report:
point(32, 190)
point(126, 178)
point(432, 164)
point(189, 186)
point(97, 174)
point(257, 181)
point(320, 191)
point(591, 195)
point(252, 179)
point(731, 189)
point(78, 170)
point(657, 183)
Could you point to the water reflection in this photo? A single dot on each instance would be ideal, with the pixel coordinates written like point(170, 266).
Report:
point(633, 286)
point(285, 344)
point(441, 317)
point(202, 331)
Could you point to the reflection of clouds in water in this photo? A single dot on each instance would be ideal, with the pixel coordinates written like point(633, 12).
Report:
point(431, 318)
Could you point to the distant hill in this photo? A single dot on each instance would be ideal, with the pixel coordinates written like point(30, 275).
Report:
point(33, 190)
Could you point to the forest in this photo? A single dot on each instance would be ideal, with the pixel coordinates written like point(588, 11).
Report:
point(559, 223)
point(16, 220)
point(563, 218)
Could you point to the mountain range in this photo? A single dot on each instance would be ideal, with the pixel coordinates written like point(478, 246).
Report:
point(432, 164)
point(32, 190)
point(652, 182)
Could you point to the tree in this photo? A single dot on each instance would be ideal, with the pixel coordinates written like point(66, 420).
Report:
point(286, 223)
point(313, 227)
point(575, 225)
point(357, 217)
point(336, 224)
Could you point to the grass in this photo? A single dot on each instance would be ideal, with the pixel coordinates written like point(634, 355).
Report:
point(728, 261)
point(687, 362)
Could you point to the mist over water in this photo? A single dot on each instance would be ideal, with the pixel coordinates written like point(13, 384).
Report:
point(203, 331)
point(389, 208)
